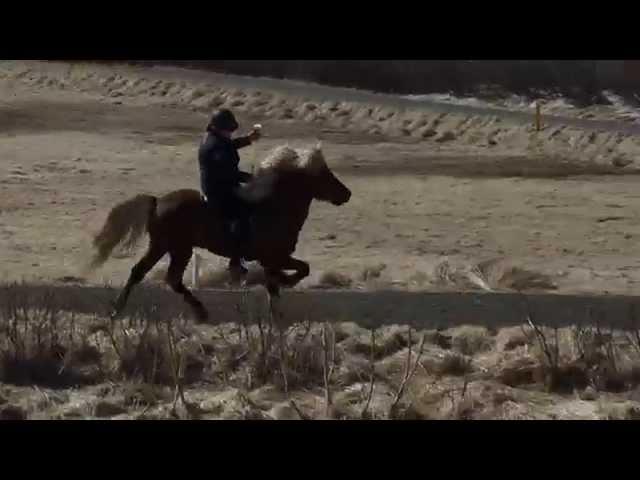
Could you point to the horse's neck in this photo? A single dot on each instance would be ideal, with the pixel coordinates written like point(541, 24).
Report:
point(299, 212)
point(288, 207)
point(285, 213)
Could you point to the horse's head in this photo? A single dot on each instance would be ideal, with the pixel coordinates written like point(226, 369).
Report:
point(324, 184)
point(311, 171)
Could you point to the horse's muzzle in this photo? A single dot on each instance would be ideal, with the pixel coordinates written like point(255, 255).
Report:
point(344, 199)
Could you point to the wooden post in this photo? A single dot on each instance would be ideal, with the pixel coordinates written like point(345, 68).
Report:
point(258, 128)
point(195, 278)
point(538, 117)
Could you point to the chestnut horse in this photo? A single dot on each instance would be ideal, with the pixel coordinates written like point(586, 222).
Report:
point(282, 190)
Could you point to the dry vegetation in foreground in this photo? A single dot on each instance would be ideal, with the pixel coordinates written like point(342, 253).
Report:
point(57, 364)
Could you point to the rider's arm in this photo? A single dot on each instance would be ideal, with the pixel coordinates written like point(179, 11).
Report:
point(241, 142)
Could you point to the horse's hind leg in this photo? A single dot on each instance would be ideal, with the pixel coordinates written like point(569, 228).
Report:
point(151, 257)
point(179, 261)
point(273, 280)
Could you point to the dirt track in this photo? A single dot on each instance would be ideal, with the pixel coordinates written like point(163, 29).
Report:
point(421, 310)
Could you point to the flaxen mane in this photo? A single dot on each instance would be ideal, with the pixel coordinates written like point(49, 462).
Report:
point(282, 159)
point(285, 158)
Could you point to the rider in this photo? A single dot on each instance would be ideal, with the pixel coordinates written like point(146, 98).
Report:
point(220, 177)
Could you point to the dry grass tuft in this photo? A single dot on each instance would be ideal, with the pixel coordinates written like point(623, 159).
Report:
point(471, 340)
point(501, 273)
point(220, 278)
point(519, 371)
point(453, 364)
point(419, 279)
point(42, 346)
point(144, 394)
point(508, 339)
point(625, 411)
point(332, 279)
point(153, 356)
point(441, 340)
point(389, 340)
point(288, 361)
point(584, 356)
point(12, 412)
point(372, 272)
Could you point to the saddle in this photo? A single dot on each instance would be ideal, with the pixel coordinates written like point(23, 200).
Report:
point(257, 190)
point(232, 225)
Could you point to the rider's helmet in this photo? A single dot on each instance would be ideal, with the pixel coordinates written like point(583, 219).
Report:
point(223, 119)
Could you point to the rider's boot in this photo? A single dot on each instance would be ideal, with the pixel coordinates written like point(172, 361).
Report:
point(240, 232)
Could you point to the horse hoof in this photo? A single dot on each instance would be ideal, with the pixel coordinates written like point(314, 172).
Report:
point(115, 313)
point(236, 279)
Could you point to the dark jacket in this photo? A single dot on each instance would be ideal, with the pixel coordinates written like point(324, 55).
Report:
point(219, 172)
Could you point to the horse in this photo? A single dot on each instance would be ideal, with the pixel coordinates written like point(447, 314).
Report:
point(281, 193)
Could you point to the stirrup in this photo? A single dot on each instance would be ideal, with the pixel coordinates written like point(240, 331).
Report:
point(240, 266)
point(238, 274)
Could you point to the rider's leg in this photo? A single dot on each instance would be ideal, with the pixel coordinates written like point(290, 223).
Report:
point(241, 232)
point(221, 206)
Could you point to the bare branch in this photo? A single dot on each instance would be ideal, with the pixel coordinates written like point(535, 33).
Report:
point(327, 371)
point(634, 337)
point(542, 340)
point(298, 411)
point(372, 378)
point(464, 387)
point(283, 367)
point(409, 372)
point(177, 370)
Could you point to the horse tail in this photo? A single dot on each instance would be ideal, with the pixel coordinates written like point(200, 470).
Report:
point(126, 224)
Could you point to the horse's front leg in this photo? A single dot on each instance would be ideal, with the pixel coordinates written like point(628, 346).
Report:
point(276, 278)
point(301, 272)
